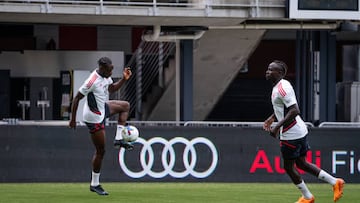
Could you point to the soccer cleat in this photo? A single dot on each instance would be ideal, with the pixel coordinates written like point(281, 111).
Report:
point(303, 200)
point(338, 189)
point(122, 143)
point(98, 189)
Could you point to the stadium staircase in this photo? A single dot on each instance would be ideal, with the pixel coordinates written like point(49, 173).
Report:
point(151, 74)
point(151, 92)
point(214, 70)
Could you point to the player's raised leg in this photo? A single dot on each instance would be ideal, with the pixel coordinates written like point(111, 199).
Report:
point(121, 108)
point(338, 189)
point(337, 183)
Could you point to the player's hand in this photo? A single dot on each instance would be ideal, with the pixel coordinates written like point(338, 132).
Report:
point(127, 73)
point(274, 132)
point(72, 124)
point(266, 127)
point(267, 124)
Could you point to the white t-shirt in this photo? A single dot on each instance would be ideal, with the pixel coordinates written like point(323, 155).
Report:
point(95, 88)
point(282, 97)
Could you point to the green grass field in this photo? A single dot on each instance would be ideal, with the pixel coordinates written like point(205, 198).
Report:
point(169, 192)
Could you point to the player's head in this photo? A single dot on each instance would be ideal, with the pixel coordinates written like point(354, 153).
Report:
point(282, 65)
point(105, 67)
point(276, 71)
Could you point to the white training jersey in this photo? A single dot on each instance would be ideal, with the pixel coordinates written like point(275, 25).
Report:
point(95, 88)
point(282, 97)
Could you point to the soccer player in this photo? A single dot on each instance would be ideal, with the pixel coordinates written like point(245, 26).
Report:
point(292, 131)
point(97, 108)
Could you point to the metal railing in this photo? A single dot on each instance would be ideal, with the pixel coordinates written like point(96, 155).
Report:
point(14, 121)
point(164, 3)
point(147, 65)
point(339, 125)
point(231, 124)
point(106, 6)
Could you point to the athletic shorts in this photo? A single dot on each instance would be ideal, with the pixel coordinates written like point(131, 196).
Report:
point(94, 127)
point(292, 149)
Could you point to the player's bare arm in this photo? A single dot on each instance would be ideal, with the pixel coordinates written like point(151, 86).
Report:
point(74, 107)
point(291, 114)
point(126, 76)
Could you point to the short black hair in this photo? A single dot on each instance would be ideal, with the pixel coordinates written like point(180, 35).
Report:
point(282, 65)
point(104, 61)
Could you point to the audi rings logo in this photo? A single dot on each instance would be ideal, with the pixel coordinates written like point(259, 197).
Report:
point(168, 158)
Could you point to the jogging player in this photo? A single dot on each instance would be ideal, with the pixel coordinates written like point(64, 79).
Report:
point(292, 131)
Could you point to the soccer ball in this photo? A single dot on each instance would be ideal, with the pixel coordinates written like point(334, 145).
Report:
point(130, 133)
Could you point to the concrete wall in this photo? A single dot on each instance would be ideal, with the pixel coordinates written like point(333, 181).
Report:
point(217, 61)
point(38, 63)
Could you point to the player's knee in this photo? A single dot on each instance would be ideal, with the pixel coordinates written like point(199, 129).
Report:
point(289, 169)
point(126, 106)
point(100, 152)
point(301, 165)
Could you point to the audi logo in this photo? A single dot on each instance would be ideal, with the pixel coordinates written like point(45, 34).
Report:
point(168, 156)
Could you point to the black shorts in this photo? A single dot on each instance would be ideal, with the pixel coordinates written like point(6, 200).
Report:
point(292, 149)
point(94, 127)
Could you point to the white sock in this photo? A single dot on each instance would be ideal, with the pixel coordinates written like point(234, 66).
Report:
point(327, 177)
point(95, 179)
point(118, 132)
point(304, 190)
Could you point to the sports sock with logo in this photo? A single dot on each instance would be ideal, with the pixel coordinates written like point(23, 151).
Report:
point(327, 177)
point(304, 190)
point(118, 132)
